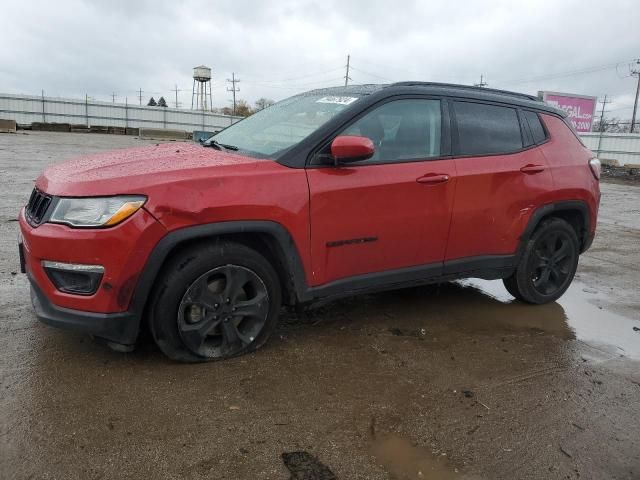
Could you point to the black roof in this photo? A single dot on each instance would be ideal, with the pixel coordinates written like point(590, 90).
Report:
point(446, 89)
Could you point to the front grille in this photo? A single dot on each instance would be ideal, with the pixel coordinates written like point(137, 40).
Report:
point(37, 207)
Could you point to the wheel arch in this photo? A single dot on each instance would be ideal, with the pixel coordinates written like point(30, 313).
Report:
point(269, 238)
point(575, 212)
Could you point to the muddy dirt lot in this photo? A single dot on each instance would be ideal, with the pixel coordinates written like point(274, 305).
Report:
point(449, 381)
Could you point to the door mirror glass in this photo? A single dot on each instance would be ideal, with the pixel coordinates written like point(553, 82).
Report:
point(351, 148)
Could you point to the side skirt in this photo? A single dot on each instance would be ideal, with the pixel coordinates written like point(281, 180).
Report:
point(489, 267)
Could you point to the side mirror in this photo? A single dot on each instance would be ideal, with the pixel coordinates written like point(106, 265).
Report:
point(351, 148)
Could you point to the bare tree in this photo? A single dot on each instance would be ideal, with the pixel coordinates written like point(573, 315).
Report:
point(612, 125)
point(263, 103)
point(243, 109)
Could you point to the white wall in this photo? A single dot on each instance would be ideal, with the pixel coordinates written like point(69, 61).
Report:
point(623, 147)
point(26, 109)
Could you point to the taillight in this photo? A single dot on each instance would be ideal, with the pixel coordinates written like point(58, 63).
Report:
point(596, 167)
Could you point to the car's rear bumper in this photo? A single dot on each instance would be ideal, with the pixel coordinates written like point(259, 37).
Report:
point(120, 328)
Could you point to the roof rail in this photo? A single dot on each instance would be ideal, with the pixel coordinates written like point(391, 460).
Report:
point(465, 87)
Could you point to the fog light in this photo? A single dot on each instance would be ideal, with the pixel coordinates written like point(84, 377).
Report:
point(74, 277)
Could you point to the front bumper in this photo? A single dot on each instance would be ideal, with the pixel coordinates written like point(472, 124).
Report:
point(120, 328)
point(123, 251)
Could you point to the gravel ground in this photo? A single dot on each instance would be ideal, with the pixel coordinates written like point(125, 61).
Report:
point(440, 382)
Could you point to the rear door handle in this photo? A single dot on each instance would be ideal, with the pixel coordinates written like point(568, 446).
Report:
point(531, 168)
point(433, 178)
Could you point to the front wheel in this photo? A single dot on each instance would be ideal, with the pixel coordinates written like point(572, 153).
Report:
point(548, 264)
point(213, 302)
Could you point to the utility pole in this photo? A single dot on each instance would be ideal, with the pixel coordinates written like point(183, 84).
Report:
point(113, 97)
point(233, 89)
point(635, 72)
point(482, 83)
point(346, 76)
point(176, 90)
point(604, 104)
point(140, 96)
point(601, 126)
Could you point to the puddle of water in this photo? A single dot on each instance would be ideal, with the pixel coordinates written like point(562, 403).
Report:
point(405, 461)
point(575, 315)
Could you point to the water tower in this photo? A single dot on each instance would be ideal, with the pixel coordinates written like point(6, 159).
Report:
point(201, 80)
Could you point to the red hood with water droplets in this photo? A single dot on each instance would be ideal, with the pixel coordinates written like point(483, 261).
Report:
point(134, 170)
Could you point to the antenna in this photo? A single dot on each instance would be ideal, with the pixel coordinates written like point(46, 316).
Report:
point(482, 83)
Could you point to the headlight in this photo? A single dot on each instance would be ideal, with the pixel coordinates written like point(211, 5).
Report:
point(96, 211)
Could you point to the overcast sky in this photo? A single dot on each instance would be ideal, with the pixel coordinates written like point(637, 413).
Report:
point(277, 48)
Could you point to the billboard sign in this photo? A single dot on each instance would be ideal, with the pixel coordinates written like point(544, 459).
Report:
point(579, 108)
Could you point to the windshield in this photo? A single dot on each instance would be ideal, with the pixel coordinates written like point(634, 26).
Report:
point(279, 127)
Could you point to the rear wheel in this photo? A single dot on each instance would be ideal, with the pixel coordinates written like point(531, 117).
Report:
point(548, 264)
point(512, 287)
point(214, 302)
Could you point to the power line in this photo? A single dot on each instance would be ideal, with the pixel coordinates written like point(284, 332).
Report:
point(625, 107)
point(387, 67)
point(317, 84)
point(294, 78)
point(371, 74)
point(233, 89)
point(562, 74)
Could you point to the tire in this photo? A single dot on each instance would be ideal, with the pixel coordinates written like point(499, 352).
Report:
point(547, 265)
point(213, 302)
point(512, 287)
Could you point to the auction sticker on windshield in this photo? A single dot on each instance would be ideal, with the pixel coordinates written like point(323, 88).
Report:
point(338, 100)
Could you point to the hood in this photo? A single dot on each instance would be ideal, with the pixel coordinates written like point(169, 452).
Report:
point(132, 170)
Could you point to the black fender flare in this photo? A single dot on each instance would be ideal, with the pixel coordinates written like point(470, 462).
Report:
point(288, 254)
point(550, 208)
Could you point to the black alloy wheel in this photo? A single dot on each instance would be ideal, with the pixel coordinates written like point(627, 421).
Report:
point(547, 264)
point(554, 256)
point(223, 311)
point(214, 300)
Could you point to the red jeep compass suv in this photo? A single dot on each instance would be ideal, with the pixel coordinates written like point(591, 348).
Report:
point(329, 193)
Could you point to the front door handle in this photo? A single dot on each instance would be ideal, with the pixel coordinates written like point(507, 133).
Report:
point(531, 168)
point(433, 178)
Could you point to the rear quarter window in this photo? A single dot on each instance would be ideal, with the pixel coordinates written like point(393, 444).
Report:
point(535, 126)
point(486, 129)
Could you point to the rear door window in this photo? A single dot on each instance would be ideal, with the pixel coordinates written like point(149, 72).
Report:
point(486, 129)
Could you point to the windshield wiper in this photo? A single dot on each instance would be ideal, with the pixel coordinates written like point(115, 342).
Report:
point(219, 146)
